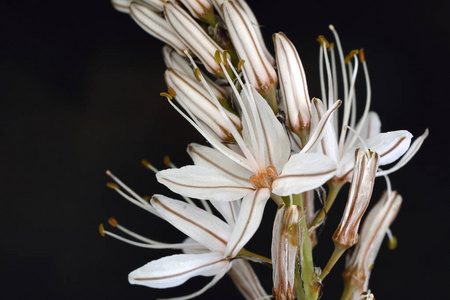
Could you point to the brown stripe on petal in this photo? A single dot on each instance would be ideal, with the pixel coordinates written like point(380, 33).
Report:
point(178, 274)
point(216, 165)
point(155, 199)
point(306, 175)
point(393, 148)
point(207, 187)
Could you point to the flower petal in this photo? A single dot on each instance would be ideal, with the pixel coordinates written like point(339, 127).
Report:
point(195, 222)
point(303, 171)
point(273, 137)
point(229, 210)
point(246, 280)
point(202, 183)
point(252, 209)
point(389, 145)
point(211, 158)
point(174, 270)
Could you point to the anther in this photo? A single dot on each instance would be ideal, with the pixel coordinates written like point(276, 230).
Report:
point(101, 229)
point(172, 92)
point(225, 55)
point(112, 185)
point(392, 243)
point(362, 57)
point(147, 198)
point(113, 222)
point(197, 74)
point(240, 64)
point(164, 94)
point(323, 41)
point(350, 55)
point(217, 57)
point(167, 162)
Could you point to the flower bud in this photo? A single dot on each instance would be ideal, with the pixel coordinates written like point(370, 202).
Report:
point(152, 22)
point(360, 262)
point(181, 64)
point(121, 5)
point(201, 9)
point(261, 73)
point(196, 100)
point(196, 39)
point(285, 250)
point(366, 164)
point(293, 87)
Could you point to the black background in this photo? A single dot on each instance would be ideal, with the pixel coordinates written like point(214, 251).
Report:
point(79, 94)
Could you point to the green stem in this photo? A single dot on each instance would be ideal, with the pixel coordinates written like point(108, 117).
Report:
point(337, 253)
point(334, 188)
point(305, 278)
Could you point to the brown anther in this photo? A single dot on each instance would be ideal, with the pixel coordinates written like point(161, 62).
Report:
point(166, 160)
point(113, 222)
point(362, 57)
point(264, 179)
point(241, 64)
point(172, 92)
point(101, 230)
point(112, 185)
point(323, 41)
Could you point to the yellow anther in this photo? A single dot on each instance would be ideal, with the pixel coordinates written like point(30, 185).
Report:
point(112, 185)
point(225, 56)
point(362, 57)
point(166, 160)
point(113, 222)
point(331, 46)
point(217, 57)
point(392, 243)
point(241, 64)
point(197, 74)
point(323, 41)
point(350, 55)
point(101, 229)
point(164, 94)
point(171, 92)
point(147, 198)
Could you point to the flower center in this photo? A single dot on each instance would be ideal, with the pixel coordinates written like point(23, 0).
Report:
point(264, 179)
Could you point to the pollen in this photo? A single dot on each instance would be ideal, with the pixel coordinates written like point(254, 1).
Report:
point(241, 64)
point(264, 179)
point(362, 57)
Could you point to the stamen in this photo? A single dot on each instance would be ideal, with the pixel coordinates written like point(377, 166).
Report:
point(149, 166)
point(358, 136)
point(218, 57)
point(101, 229)
point(350, 55)
point(361, 55)
point(392, 240)
point(167, 162)
point(164, 94)
point(197, 74)
point(241, 64)
point(112, 185)
point(341, 58)
point(112, 222)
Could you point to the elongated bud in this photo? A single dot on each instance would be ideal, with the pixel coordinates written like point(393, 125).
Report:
point(293, 86)
point(196, 39)
point(152, 22)
point(246, 8)
point(286, 238)
point(195, 99)
point(260, 71)
point(181, 65)
point(366, 164)
point(376, 225)
point(201, 9)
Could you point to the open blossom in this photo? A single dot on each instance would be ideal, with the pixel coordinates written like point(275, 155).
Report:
point(263, 166)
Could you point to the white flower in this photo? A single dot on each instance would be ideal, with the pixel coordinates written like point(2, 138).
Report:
point(262, 166)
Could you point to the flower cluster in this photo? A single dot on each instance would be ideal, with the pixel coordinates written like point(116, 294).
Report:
point(267, 140)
